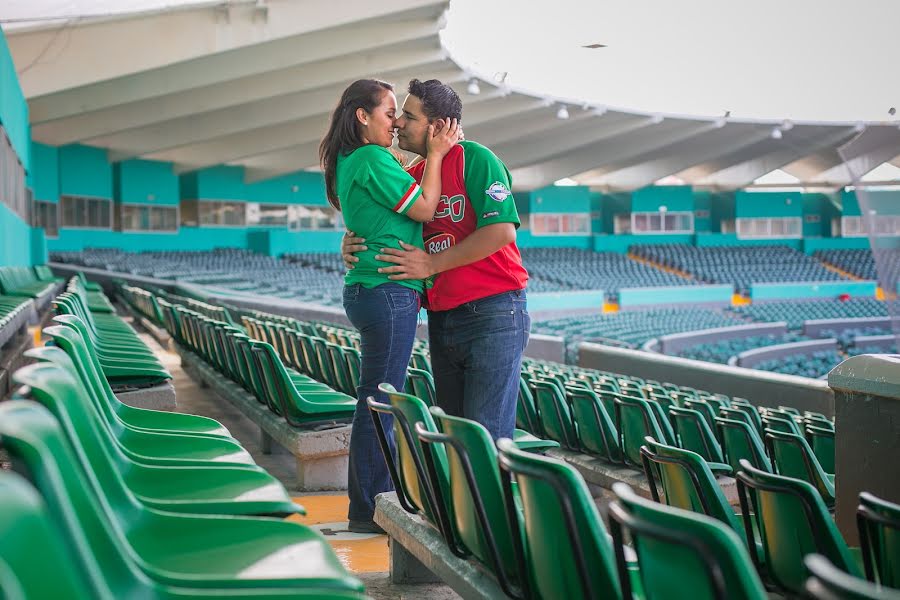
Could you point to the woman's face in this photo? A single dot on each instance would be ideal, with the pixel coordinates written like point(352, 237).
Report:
point(378, 126)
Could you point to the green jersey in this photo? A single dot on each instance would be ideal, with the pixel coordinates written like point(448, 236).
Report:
point(375, 194)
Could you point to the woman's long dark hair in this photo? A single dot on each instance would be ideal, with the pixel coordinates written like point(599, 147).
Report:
point(343, 134)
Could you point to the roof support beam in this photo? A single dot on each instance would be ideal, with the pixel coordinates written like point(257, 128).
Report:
point(869, 149)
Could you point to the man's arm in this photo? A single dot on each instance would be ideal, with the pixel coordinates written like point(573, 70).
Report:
point(350, 245)
point(413, 263)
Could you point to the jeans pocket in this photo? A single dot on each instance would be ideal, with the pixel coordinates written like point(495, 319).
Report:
point(403, 301)
point(351, 293)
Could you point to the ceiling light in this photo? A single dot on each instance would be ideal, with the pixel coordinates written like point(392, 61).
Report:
point(720, 122)
point(787, 125)
point(474, 89)
point(657, 119)
point(563, 112)
point(599, 110)
point(776, 134)
point(860, 127)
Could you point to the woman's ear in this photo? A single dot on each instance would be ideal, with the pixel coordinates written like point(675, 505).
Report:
point(362, 116)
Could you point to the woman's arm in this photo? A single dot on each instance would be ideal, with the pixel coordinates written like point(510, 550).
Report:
point(440, 140)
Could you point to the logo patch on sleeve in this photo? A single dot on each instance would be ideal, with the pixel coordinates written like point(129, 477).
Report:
point(488, 215)
point(498, 192)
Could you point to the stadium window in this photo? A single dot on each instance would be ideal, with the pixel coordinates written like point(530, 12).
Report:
point(212, 213)
point(12, 179)
point(560, 223)
point(137, 217)
point(622, 223)
point(46, 215)
point(266, 215)
point(769, 227)
point(662, 222)
point(79, 212)
point(314, 218)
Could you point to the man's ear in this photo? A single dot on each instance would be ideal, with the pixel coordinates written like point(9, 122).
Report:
point(439, 124)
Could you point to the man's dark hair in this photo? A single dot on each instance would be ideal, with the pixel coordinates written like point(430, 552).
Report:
point(439, 101)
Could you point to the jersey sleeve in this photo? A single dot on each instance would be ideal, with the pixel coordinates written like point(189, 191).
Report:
point(389, 183)
point(488, 185)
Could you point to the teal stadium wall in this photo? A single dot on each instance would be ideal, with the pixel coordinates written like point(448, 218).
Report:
point(20, 244)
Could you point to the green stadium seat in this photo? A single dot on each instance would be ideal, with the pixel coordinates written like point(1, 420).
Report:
point(878, 522)
point(635, 420)
point(740, 441)
point(821, 439)
point(827, 582)
point(421, 385)
point(556, 417)
point(478, 518)
point(792, 521)
point(680, 553)
point(792, 457)
point(211, 490)
point(211, 553)
point(596, 430)
point(695, 434)
point(565, 551)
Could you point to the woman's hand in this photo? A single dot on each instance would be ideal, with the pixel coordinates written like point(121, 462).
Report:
point(443, 134)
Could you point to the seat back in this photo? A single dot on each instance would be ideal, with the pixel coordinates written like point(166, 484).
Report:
point(792, 521)
point(687, 482)
point(31, 542)
point(527, 417)
point(878, 522)
point(596, 431)
point(830, 583)
point(421, 385)
point(680, 550)
point(635, 421)
point(694, 433)
point(740, 440)
point(792, 457)
point(821, 440)
point(556, 417)
point(476, 494)
point(568, 553)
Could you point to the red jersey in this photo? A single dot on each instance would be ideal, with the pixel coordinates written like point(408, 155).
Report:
point(475, 191)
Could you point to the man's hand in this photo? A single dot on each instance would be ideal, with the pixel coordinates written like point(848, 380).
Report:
point(409, 263)
point(350, 245)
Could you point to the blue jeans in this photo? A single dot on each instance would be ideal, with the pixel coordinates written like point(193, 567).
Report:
point(386, 318)
point(476, 357)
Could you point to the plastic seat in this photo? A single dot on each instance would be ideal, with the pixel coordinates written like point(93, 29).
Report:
point(740, 440)
point(527, 417)
point(821, 440)
point(827, 582)
point(635, 420)
point(167, 448)
point(792, 457)
point(792, 521)
point(556, 418)
point(138, 418)
point(596, 431)
point(478, 516)
point(207, 552)
point(878, 523)
point(695, 434)
point(565, 552)
point(421, 384)
point(211, 490)
point(680, 553)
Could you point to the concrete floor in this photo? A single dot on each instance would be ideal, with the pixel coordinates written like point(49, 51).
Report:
point(193, 399)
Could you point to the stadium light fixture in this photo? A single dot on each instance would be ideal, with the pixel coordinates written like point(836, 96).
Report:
point(720, 122)
point(562, 113)
point(776, 133)
point(474, 89)
point(657, 119)
point(860, 127)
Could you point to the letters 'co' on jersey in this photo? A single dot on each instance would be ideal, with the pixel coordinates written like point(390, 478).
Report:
point(475, 191)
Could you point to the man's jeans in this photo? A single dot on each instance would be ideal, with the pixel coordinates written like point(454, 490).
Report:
point(476, 356)
point(386, 318)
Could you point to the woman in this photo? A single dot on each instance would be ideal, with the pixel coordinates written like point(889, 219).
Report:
point(383, 203)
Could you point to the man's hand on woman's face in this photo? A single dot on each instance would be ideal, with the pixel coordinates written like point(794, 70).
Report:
point(350, 245)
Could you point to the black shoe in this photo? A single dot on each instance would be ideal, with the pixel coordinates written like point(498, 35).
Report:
point(365, 527)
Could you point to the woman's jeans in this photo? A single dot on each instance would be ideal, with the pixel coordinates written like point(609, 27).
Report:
point(386, 318)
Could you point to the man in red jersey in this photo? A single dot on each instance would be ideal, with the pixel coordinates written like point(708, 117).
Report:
point(478, 322)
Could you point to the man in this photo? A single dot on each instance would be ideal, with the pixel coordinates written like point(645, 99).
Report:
point(478, 323)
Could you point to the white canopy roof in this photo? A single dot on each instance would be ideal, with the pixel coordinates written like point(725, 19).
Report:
point(252, 82)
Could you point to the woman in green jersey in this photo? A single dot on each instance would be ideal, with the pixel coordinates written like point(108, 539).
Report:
point(383, 203)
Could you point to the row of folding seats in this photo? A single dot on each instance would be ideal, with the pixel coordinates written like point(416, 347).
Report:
point(35, 283)
point(256, 366)
point(609, 417)
point(863, 264)
point(153, 504)
point(531, 521)
point(15, 311)
point(814, 365)
point(126, 361)
point(795, 313)
point(721, 351)
point(141, 300)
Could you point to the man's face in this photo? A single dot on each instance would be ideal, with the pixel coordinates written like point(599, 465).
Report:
point(412, 127)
